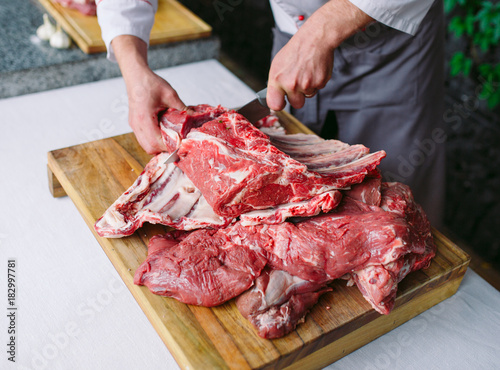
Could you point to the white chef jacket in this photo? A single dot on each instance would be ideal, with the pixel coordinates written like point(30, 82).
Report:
point(125, 17)
point(403, 15)
point(136, 17)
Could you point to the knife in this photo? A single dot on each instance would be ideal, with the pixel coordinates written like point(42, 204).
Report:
point(256, 109)
point(173, 157)
point(252, 111)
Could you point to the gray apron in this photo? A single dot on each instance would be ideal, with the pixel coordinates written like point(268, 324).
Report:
point(387, 92)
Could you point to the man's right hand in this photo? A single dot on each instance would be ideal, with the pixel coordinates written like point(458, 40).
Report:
point(304, 65)
point(148, 93)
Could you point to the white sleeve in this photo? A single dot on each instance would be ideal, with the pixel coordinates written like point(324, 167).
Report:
point(125, 17)
point(403, 15)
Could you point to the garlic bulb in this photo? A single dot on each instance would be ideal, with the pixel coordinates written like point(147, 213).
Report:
point(59, 39)
point(46, 30)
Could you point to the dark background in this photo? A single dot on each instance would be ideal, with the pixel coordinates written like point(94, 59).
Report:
point(472, 216)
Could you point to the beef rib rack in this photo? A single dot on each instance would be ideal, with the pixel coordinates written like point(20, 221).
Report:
point(228, 168)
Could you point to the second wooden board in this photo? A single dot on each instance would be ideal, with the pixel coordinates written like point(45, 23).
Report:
point(173, 22)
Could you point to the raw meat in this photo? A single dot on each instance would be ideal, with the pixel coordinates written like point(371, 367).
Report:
point(176, 124)
point(278, 302)
point(351, 237)
point(205, 268)
point(374, 247)
point(324, 202)
point(161, 194)
point(86, 7)
point(367, 192)
point(254, 176)
point(238, 170)
point(371, 234)
point(378, 283)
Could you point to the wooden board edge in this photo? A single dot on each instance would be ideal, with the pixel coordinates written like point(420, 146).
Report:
point(434, 287)
point(141, 297)
point(293, 123)
point(204, 27)
point(55, 187)
point(452, 246)
point(78, 39)
point(376, 328)
point(89, 46)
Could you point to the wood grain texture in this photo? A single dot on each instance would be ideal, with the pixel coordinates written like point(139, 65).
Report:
point(55, 187)
point(173, 22)
point(94, 174)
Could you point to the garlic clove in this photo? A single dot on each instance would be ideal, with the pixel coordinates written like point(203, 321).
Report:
point(46, 30)
point(59, 39)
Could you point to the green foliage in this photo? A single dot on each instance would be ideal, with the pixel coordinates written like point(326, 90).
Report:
point(478, 22)
point(460, 63)
point(489, 78)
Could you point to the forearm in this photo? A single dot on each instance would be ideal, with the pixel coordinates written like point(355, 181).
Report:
point(131, 55)
point(148, 93)
point(334, 22)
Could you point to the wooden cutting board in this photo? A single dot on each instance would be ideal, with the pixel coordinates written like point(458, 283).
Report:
point(94, 174)
point(173, 22)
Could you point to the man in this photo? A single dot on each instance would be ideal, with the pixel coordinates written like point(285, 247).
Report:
point(385, 88)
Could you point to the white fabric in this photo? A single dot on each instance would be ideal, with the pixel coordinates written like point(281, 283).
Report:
point(285, 22)
point(74, 310)
point(125, 17)
point(403, 15)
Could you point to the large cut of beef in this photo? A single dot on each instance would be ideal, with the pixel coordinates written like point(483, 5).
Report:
point(201, 268)
point(243, 171)
point(373, 247)
point(238, 170)
point(228, 168)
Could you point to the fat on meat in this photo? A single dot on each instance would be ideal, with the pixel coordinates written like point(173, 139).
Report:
point(176, 124)
point(278, 302)
point(324, 202)
point(259, 183)
point(238, 170)
point(162, 194)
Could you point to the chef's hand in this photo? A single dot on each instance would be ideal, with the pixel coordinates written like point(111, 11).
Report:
point(148, 93)
point(304, 65)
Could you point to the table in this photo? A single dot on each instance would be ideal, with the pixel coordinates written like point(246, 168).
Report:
point(74, 312)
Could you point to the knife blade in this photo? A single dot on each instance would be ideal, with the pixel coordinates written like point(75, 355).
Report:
point(173, 157)
point(256, 109)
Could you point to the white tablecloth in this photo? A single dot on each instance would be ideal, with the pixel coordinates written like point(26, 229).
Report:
point(74, 312)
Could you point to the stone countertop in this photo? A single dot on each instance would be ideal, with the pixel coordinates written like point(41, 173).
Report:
point(28, 64)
